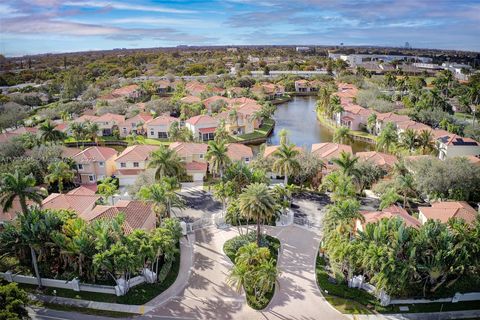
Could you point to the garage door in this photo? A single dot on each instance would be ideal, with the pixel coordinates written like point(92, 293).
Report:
point(126, 181)
point(198, 177)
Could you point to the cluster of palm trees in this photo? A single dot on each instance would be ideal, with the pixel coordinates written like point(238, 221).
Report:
point(409, 140)
point(82, 131)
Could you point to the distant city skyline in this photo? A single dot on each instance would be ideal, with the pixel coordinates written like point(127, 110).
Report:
point(52, 26)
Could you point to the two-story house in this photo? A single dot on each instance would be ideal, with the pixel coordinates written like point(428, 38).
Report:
point(238, 152)
point(450, 145)
point(131, 162)
point(158, 128)
point(202, 127)
point(268, 91)
point(135, 125)
point(94, 164)
point(445, 210)
point(108, 123)
point(193, 156)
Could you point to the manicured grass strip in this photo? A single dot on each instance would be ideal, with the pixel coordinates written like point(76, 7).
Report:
point(94, 312)
point(157, 142)
point(138, 295)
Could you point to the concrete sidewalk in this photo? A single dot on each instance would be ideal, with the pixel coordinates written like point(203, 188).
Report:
point(467, 314)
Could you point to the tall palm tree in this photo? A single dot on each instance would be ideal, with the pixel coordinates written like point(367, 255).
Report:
point(59, 172)
point(408, 140)
point(135, 139)
point(388, 198)
point(107, 188)
point(166, 162)
point(342, 216)
point(221, 133)
point(78, 130)
point(163, 196)
point(425, 141)
point(48, 133)
point(217, 157)
point(371, 122)
point(341, 135)
point(333, 105)
point(16, 185)
point(91, 131)
point(323, 99)
point(233, 117)
point(387, 138)
point(257, 202)
point(286, 162)
point(346, 162)
point(405, 186)
point(283, 134)
point(175, 132)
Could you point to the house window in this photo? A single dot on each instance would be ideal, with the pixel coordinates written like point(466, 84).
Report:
point(162, 135)
point(123, 165)
point(101, 163)
point(135, 164)
point(201, 155)
point(247, 159)
point(125, 130)
point(152, 133)
point(80, 166)
point(91, 178)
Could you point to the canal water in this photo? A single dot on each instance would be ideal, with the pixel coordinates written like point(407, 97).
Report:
point(299, 118)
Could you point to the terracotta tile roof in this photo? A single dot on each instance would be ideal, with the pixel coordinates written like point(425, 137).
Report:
point(162, 121)
point(82, 191)
point(238, 152)
point(391, 117)
point(242, 100)
point(61, 127)
point(268, 88)
point(191, 99)
point(196, 166)
point(379, 158)
point(209, 101)
point(111, 117)
point(474, 160)
point(330, 150)
point(445, 210)
point(95, 154)
point(11, 214)
point(7, 136)
point(207, 130)
point(413, 125)
point(139, 118)
point(195, 87)
point(202, 120)
point(388, 213)
point(248, 109)
point(86, 117)
point(138, 214)
point(124, 91)
point(270, 150)
point(77, 203)
point(136, 153)
point(68, 152)
point(22, 130)
point(184, 149)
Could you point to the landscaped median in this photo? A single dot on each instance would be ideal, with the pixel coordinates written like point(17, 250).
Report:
point(255, 267)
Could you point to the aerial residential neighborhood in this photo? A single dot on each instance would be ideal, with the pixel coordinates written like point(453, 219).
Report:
point(239, 160)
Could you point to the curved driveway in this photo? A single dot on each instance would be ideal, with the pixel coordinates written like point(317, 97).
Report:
point(208, 296)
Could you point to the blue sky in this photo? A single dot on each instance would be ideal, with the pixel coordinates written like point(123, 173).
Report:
point(41, 26)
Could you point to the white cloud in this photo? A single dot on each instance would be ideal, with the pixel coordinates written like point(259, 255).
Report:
point(124, 6)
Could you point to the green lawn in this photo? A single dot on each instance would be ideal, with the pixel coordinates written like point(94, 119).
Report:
point(157, 142)
point(354, 301)
point(94, 312)
point(138, 295)
point(259, 133)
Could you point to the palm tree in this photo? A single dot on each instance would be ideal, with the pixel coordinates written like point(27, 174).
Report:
point(342, 216)
point(334, 105)
point(166, 162)
point(22, 187)
point(91, 131)
point(59, 172)
point(387, 137)
point(175, 132)
point(257, 202)
point(78, 131)
point(346, 162)
point(217, 157)
point(405, 186)
point(135, 139)
point(48, 133)
point(341, 135)
point(222, 191)
point(323, 100)
point(425, 141)
point(221, 133)
point(163, 196)
point(233, 117)
point(107, 188)
point(283, 134)
point(408, 139)
point(371, 122)
point(388, 198)
point(286, 162)
point(16, 185)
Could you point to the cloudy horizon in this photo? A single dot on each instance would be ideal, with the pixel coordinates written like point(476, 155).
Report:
point(52, 26)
